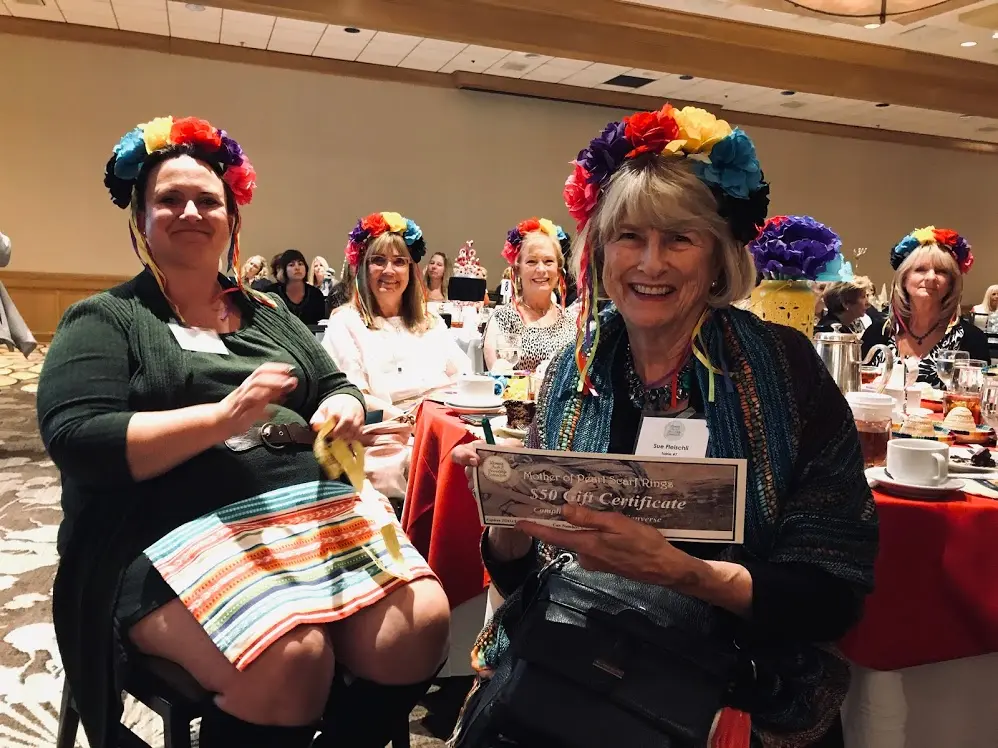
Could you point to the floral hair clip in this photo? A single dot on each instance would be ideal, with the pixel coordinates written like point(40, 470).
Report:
point(377, 224)
point(947, 239)
point(515, 236)
point(799, 248)
point(137, 144)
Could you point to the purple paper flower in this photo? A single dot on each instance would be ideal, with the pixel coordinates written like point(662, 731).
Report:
point(232, 153)
point(794, 248)
point(359, 235)
point(605, 153)
point(513, 237)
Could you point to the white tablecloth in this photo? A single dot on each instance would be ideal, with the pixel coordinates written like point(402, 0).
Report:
point(945, 705)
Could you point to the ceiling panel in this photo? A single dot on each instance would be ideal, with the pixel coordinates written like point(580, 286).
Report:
point(89, 13)
point(596, 73)
point(148, 22)
point(517, 64)
point(246, 29)
point(475, 59)
point(295, 37)
point(187, 22)
point(48, 12)
point(431, 55)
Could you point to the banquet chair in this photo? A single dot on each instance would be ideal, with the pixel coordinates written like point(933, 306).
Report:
point(178, 699)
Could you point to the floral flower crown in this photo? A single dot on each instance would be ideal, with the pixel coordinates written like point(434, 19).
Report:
point(377, 224)
point(515, 236)
point(145, 139)
point(799, 248)
point(947, 239)
point(723, 158)
point(210, 143)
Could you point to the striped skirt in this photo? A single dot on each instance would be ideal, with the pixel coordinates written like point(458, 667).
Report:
point(305, 554)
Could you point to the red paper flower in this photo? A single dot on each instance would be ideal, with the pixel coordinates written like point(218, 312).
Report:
point(650, 132)
point(510, 253)
point(776, 221)
point(580, 196)
point(242, 181)
point(375, 224)
point(197, 131)
point(525, 227)
point(946, 237)
point(967, 263)
point(352, 253)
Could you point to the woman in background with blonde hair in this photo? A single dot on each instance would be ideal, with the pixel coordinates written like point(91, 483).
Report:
point(384, 340)
point(990, 303)
point(436, 276)
point(924, 314)
point(255, 267)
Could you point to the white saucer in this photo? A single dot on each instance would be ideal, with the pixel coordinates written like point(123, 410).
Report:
point(879, 476)
point(499, 427)
point(474, 405)
point(966, 467)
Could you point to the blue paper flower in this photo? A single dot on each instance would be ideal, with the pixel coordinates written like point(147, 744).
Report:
point(562, 236)
point(129, 155)
point(904, 248)
point(836, 271)
point(733, 166)
point(412, 233)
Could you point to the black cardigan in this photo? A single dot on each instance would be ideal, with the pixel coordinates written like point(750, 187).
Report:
point(114, 355)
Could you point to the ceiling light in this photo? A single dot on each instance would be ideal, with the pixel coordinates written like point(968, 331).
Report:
point(686, 77)
point(995, 35)
point(872, 26)
point(864, 10)
point(787, 93)
point(968, 44)
point(351, 30)
point(194, 8)
point(882, 105)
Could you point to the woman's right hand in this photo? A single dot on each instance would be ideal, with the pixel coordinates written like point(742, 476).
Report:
point(248, 403)
point(507, 543)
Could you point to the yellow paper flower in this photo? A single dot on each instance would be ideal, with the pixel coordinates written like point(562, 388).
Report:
point(926, 235)
point(548, 228)
point(395, 222)
point(156, 133)
point(699, 130)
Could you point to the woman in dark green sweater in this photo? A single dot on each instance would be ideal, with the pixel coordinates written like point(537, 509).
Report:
point(191, 531)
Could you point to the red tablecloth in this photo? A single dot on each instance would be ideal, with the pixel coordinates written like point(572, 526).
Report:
point(936, 595)
point(440, 515)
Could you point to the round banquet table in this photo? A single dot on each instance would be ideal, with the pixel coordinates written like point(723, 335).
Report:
point(924, 649)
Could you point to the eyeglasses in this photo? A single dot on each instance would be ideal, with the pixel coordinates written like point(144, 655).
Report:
point(381, 262)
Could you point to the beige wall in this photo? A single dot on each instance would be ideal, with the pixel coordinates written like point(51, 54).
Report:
point(463, 165)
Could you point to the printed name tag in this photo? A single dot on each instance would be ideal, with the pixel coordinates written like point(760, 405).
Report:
point(672, 437)
point(198, 339)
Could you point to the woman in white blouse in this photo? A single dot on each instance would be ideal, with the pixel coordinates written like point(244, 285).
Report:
point(384, 340)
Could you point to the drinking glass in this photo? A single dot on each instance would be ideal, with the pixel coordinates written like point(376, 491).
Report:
point(989, 401)
point(509, 347)
point(946, 363)
point(968, 381)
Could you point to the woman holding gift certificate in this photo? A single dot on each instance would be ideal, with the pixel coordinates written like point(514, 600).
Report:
point(666, 202)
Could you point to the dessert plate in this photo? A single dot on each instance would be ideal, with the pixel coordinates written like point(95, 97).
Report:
point(878, 476)
point(499, 426)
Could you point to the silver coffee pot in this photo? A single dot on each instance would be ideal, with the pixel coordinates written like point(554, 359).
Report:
point(842, 353)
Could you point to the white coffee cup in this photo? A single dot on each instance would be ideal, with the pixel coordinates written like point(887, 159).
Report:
point(918, 462)
point(473, 388)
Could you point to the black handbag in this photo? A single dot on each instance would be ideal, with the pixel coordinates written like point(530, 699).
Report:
point(591, 664)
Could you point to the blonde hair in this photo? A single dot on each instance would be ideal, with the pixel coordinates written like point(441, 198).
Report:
point(943, 261)
point(311, 279)
point(444, 279)
point(532, 239)
point(866, 284)
point(987, 298)
point(665, 194)
point(413, 311)
point(261, 262)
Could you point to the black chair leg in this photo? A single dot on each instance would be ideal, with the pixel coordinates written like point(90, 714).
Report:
point(69, 720)
point(177, 730)
point(400, 735)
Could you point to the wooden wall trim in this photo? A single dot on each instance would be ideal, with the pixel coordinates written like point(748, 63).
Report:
point(463, 81)
point(42, 298)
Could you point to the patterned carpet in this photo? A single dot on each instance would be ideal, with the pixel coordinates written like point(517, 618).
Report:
point(30, 667)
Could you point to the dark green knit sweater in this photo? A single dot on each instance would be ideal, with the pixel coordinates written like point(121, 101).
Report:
point(114, 355)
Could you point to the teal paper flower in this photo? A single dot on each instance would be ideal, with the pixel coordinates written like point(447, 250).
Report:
point(836, 271)
point(733, 166)
point(412, 232)
point(129, 155)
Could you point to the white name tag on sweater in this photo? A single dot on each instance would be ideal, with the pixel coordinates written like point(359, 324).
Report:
point(672, 437)
point(198, 339)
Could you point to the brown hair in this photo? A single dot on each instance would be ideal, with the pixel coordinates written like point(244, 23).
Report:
point(664, 193)
point(413, 311)
point(838, 296)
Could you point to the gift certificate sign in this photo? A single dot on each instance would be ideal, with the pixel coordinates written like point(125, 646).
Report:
point(683, 498)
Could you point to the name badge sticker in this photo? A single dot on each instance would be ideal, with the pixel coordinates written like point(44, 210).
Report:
point(672, 437)
point(198, 339)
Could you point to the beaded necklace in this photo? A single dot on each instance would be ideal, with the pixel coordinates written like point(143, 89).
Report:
point(663, 395)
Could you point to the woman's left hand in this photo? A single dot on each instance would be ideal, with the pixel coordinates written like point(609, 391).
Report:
point(616, 544)
point(347, 414)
